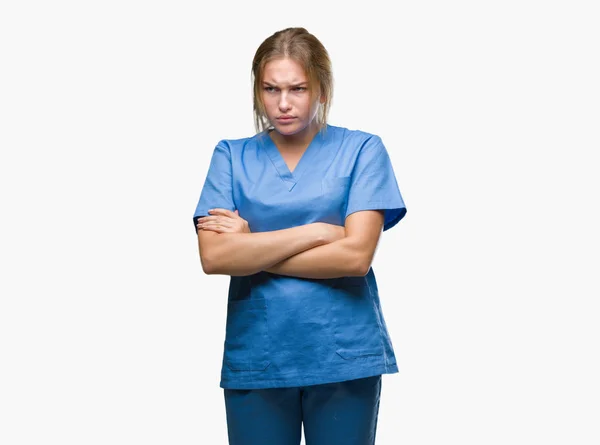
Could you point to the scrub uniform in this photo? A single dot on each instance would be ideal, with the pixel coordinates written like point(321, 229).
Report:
point(288, 332)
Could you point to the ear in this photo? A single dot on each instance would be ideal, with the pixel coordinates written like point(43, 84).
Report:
point(322, 98)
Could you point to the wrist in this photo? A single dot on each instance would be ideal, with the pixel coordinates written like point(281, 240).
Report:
point(320, 234)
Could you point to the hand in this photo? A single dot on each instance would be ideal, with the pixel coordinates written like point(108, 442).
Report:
point(223, 221)
point(331, 232)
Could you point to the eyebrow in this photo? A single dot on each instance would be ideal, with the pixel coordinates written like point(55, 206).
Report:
point(293, 85)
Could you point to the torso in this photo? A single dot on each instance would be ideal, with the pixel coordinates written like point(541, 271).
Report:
point(286, 331)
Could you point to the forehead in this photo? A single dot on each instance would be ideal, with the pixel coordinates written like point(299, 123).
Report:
point(284, 71)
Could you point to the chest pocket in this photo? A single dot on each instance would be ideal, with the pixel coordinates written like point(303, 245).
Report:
point(331, 184)
point(335, 196)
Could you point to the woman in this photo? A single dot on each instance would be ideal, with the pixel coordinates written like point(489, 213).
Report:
point(293, 214)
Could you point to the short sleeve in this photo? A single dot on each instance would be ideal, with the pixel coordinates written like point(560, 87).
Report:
point(217, 190)
point(374, 185)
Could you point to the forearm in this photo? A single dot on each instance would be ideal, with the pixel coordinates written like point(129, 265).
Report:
point(240, 254)
point(337, 259)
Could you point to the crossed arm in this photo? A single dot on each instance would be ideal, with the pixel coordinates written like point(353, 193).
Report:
point(316, 250)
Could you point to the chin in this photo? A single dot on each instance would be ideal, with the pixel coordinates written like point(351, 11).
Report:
point(288, 130)
point(285, 131)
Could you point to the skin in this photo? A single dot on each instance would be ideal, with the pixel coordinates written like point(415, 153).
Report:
point(337, 252)
point(286, 92)
point(316, 250)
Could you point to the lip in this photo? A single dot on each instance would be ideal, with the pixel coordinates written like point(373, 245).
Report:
point(285, 118)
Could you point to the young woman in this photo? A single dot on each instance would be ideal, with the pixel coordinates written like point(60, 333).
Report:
point(294, 214)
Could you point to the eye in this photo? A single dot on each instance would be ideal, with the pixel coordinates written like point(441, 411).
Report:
point(300, 89)
point(270, 89)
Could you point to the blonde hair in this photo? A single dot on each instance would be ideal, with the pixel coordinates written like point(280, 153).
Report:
point(301, 46)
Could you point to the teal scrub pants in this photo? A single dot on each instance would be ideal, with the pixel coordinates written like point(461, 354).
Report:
point(343, 413)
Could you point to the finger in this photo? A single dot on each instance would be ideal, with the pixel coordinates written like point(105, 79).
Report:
point(206, 219)
point(216, 219)
point(227, 222)
point(211, 227)
point(223, 212)
point(219, 229)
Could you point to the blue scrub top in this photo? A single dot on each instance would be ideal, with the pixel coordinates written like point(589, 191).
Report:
point(284, 331)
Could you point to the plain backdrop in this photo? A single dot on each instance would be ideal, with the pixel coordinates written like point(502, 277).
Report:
point(109, 112)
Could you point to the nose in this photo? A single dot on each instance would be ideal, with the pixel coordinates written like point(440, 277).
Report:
point(284, 104)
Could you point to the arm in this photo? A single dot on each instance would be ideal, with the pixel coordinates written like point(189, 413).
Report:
point(239, 254)
point(349, 256)
point(374, 202)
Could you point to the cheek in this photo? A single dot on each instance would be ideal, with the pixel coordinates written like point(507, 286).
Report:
point(268, 104)
point(303, 104)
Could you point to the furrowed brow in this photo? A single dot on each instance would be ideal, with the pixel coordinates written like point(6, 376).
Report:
point(300, 84)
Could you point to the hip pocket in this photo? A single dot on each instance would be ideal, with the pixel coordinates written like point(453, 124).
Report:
point(356, 323)
point(246, 339)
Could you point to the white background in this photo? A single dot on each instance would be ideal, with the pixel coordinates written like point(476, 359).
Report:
point(111, 334)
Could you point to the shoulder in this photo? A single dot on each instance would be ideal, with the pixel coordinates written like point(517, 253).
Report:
point(356, 139)
point(234, 146)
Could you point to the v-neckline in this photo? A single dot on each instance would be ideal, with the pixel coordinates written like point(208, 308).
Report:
point(289, 177)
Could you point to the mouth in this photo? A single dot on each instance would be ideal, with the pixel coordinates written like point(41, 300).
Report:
point(285, 118)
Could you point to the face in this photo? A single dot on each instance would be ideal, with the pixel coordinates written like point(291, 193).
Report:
point(287, 97)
